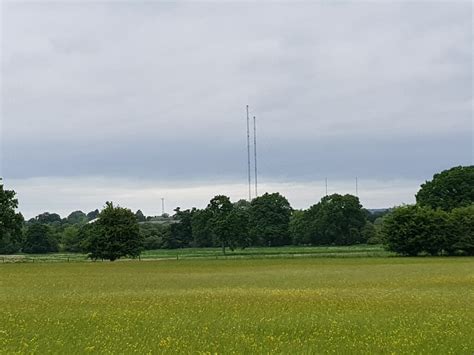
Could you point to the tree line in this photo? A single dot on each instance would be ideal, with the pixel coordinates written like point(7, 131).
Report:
point(440, 223)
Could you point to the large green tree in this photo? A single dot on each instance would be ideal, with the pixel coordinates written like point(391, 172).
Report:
point(449, 189)
point(181, 233)
point(299, 228)
point(220, 209)
point(336, 220)
point(48, 218)
point(269, 219)
point(10, 222)
point(116, 235)
point(201, 228)
point(77, 217)
point(411, 230)
point(71, 239)
point(39, 239)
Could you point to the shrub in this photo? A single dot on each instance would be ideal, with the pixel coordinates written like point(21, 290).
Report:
point(411, 230)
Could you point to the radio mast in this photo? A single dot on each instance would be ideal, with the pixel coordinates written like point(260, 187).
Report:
point(248, 154)
point(255, 153)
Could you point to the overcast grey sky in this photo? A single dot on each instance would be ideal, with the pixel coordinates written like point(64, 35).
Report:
point(132, 101)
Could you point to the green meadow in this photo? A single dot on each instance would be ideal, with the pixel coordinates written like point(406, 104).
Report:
point(249, 305)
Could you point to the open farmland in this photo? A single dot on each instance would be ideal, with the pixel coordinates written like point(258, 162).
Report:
point(357, 305)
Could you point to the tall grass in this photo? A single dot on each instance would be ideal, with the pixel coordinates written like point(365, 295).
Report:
point(305, 305)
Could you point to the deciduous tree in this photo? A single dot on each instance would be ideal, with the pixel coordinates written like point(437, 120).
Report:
point(269, 219)
point(117, 235)
point(452, 188)
point(10, 222)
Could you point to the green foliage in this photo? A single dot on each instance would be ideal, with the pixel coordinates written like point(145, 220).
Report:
point(298, 228)
point(39, 240)
point(140, 216)
point(411, 230)
point(48, 218)
point(369, 233)
point(336, 220)
point(71, 239)
point(92, 215)
point(269, 219)
point(461, 230)
point(442, 221)
point(116, 235)
point(10, 222)
point(220, 224)
point(449, 189)
point(201, 228)
point(154, 235)
point(238, 222)
point(373, 215)
point(77, 217)
point(181, 233)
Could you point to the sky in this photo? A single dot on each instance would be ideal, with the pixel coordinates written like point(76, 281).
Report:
point(134, 101)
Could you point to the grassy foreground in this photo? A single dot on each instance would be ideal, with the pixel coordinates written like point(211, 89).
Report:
point(307, 305)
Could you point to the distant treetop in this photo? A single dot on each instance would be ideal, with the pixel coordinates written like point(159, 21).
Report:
point(449, 189)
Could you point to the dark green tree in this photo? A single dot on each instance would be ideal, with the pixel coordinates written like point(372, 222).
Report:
point(140, 216)
point(154, 235)
point(269, 219)
point(369, 234)
point(38, 239)
point(238, 221)
point(71, 239)
point(201, 228)
point(336, 220)
point(92, 215)
point(181, 234)
point(220, 224)
point(117, 235)
point(77, 217)
point(299, 228)
point(461, 230)
point(449, 189)
point(411, 230)
point(48, 218)
point(10, 222)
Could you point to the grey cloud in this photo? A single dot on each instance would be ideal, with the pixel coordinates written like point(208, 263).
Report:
point(155, 89)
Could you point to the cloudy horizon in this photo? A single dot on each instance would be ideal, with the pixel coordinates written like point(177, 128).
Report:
point(132, 102)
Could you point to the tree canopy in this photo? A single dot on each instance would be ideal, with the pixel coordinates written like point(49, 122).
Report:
point(452, 188)
point(269, 219)
point(116, 234)
point(337, 220)
point(39, 240)
point(10, 222)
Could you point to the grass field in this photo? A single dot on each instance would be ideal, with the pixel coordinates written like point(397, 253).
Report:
point(216, 253)
point(301, 305)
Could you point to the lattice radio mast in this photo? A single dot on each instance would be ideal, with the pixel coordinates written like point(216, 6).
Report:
point(248, 154)
point(255, 153)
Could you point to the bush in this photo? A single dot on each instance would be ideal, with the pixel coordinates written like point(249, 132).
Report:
point(462, 230)
point(38, 240)
point(411, 230)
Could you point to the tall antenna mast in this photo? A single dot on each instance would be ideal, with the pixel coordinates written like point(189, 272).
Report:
point(248, 153)
point(162, 206)
point(255, 152)
point(357, 187)
point(326, 180)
